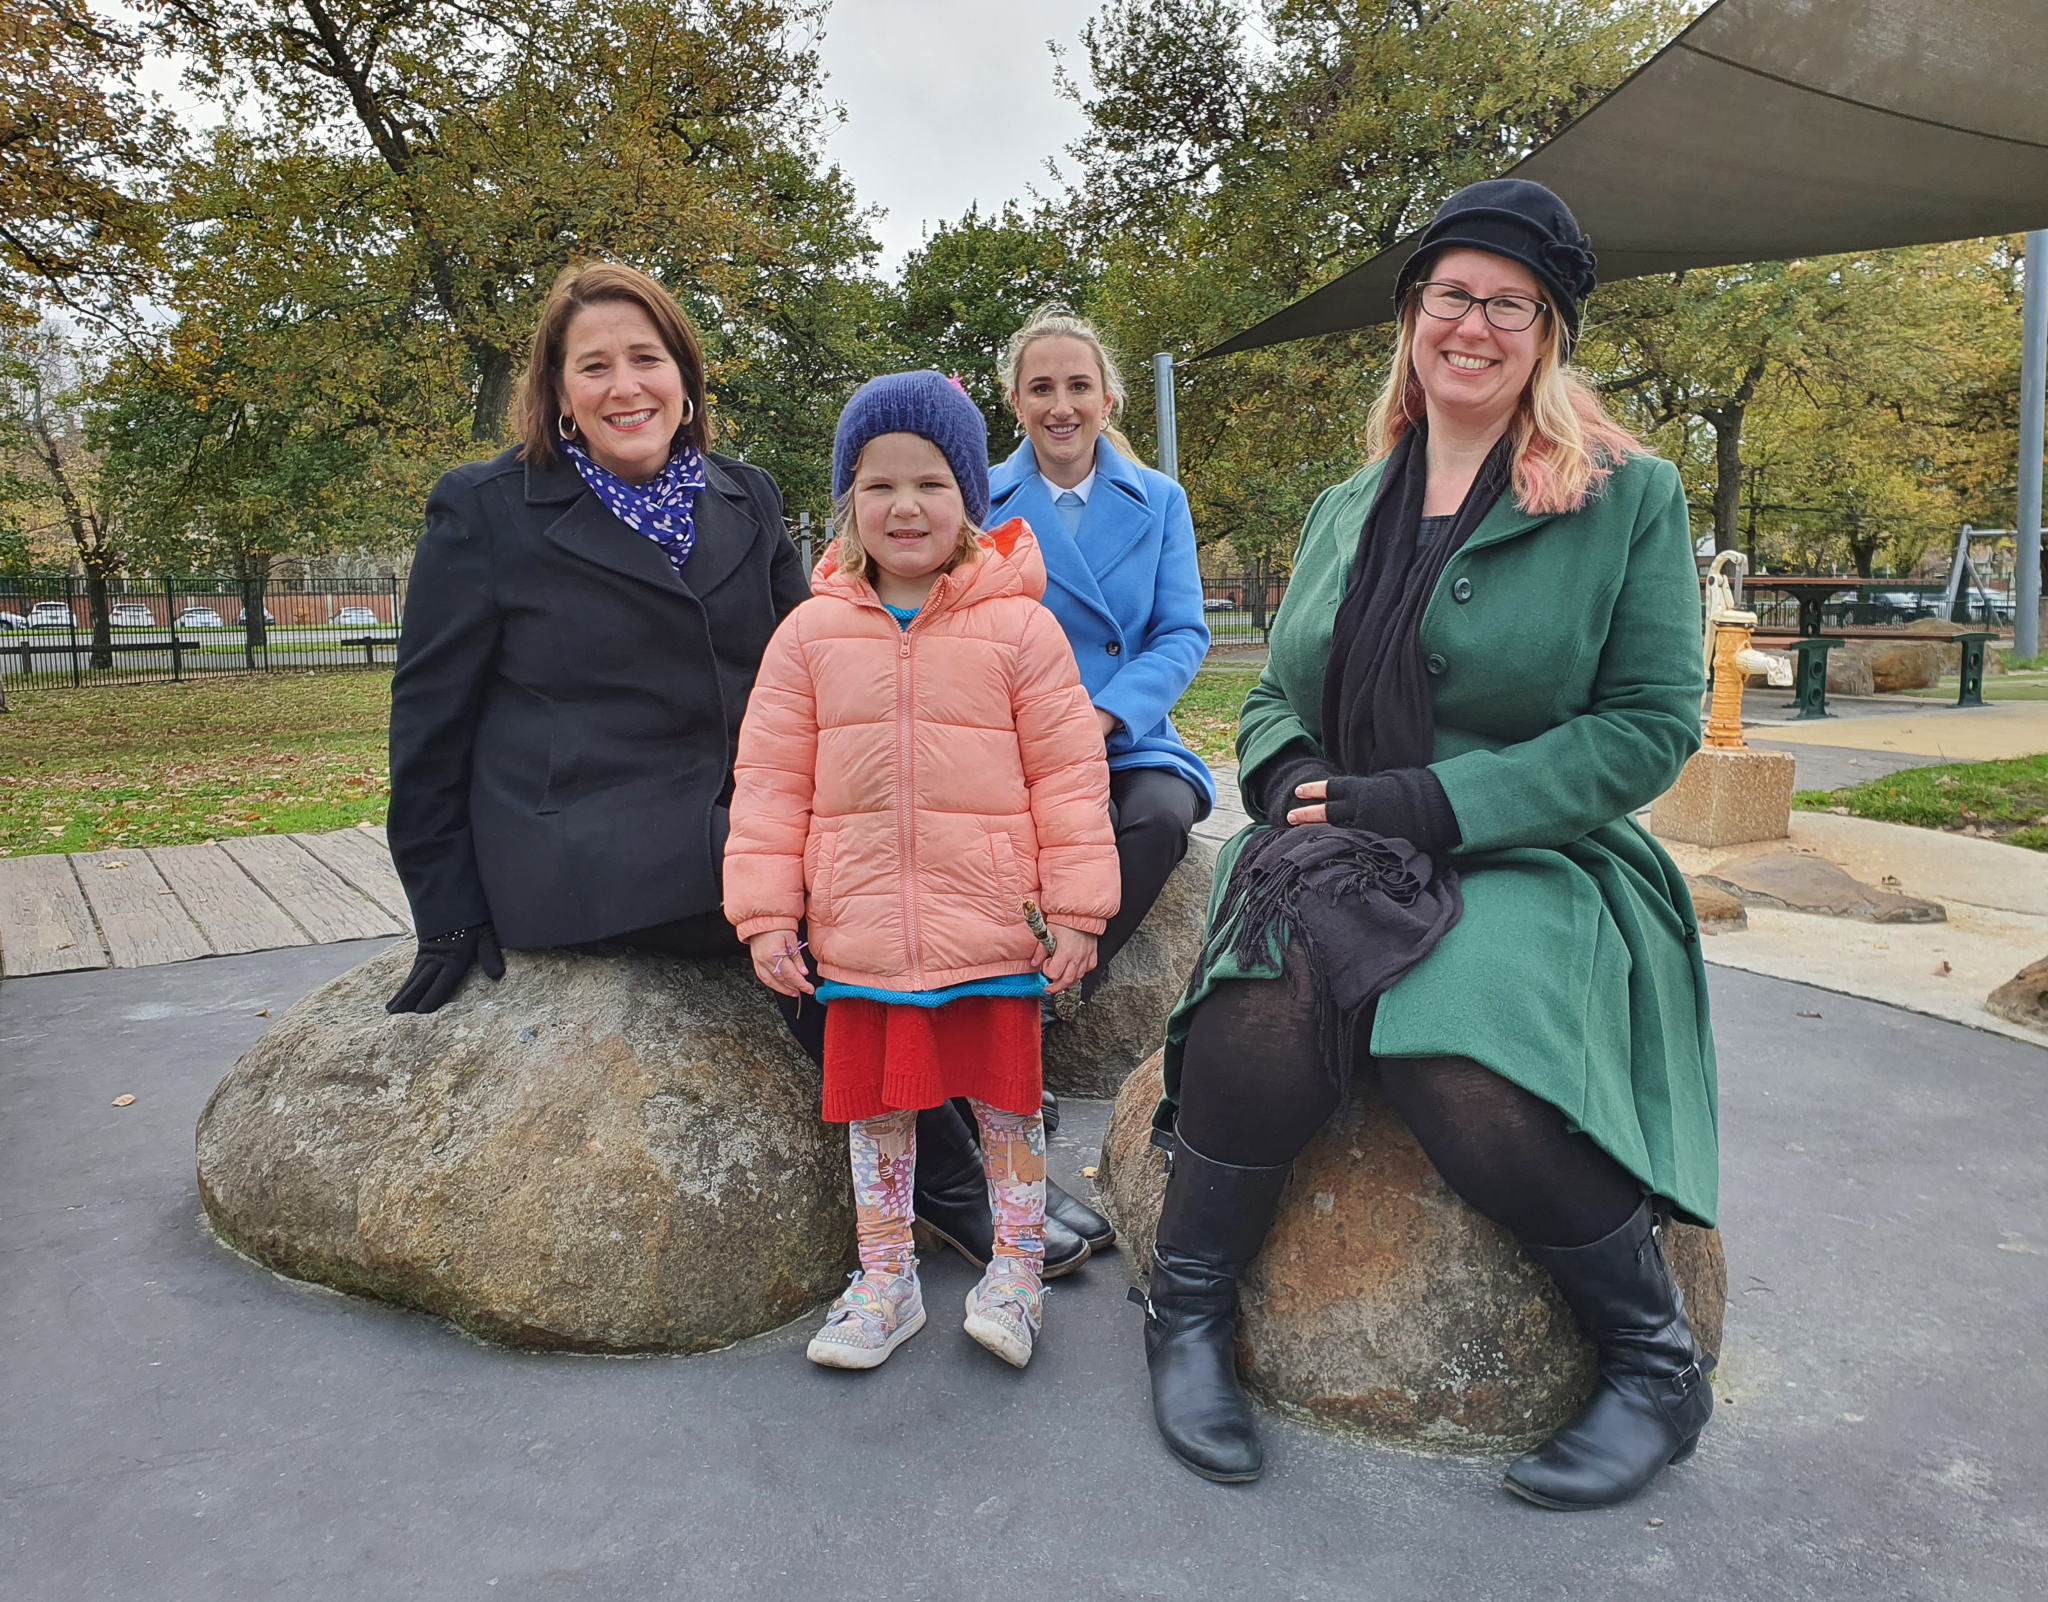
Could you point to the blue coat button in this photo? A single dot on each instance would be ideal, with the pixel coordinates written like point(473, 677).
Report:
point(1435, 664)
point(1114, 649)
point(1461, 592)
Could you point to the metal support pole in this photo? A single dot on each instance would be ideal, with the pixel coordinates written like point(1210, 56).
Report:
point(1169, 430)
point(2026, 610)
point(803, 525)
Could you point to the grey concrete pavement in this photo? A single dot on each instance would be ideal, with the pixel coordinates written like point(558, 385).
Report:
point(181, 1424)
point(1835, 767)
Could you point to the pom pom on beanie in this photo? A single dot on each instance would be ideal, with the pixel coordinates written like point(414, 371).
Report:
point(929, 405)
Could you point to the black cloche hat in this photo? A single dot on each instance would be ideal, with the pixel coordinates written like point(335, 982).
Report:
point(1522, 221)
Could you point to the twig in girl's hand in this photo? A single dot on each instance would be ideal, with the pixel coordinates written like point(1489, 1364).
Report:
point(789, 951)
point(1034, 920)
point(1068, 1001)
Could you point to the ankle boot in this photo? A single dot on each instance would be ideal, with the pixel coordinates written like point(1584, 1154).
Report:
point(950, 1200)
point(1212, 1225)
point(1077, 1215)
point(1651, 1399)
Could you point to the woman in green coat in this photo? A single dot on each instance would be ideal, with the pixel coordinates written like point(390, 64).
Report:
point(1488, 659)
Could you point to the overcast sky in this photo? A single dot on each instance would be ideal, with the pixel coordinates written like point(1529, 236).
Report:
point(948, 103)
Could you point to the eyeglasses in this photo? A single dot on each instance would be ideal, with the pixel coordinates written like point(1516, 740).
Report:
point(1509, 313)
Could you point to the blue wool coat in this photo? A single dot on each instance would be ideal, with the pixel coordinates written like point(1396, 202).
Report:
point(1128, 592)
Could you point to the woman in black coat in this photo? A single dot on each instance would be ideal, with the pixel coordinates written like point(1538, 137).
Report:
point(586, 615)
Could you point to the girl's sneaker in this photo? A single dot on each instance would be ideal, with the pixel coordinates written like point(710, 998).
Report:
point(874, 1315)
point(1005, 1309)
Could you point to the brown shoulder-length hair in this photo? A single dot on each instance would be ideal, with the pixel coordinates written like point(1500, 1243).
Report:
point(596, 283)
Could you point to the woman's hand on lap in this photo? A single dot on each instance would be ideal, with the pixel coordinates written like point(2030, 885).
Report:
point(1071, 963)
point(779, 962)
point(1317, 792)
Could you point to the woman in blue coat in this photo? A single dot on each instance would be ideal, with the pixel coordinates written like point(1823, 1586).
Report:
point(1121, 576)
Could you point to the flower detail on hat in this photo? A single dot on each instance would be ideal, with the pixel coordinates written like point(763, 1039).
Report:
point(1571, 264)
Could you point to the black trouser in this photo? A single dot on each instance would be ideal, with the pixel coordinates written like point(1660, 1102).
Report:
point(1152, 811)
point(708, 935)
point(1256, 1086)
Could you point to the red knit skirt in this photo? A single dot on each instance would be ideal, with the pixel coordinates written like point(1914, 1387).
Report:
point(881, 1058)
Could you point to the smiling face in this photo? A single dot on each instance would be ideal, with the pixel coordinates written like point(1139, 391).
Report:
point(624, 388)
point(1062, 403)
point(1473, 374)
point(909, 514)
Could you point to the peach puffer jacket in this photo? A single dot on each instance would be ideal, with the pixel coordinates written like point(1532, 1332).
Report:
point(907, 789)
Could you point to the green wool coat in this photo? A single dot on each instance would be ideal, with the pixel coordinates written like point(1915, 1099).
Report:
point(1565, 658)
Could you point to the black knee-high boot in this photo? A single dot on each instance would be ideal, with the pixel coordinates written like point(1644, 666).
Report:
point(1651, 1399)
point(1214, 1220)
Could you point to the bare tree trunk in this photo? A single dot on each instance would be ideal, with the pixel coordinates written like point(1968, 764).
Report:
point(98, 609)
point(1726, 422)
point(255, 636)
point(493, 395)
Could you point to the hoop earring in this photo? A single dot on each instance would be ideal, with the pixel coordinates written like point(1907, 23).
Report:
point(565, 425)
point(689, 411)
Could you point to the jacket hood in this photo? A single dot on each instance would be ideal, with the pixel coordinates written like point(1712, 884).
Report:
point(1010, 564)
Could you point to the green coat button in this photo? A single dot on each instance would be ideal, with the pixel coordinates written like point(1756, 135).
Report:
point(1461, 592)
point(1435, 664)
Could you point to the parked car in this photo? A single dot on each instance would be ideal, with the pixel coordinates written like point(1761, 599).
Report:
point(1219, 603)
point(132, 615)
point(49, 615)
point(358, 617)
point(12, 622)
point(200, 617)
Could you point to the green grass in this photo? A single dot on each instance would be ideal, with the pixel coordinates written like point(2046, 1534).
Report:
point(174, 764)
point(1994, 690)
point(1207, 715)
point(2006, 800)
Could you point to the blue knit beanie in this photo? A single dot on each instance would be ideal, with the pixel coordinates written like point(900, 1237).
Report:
point(929, 405)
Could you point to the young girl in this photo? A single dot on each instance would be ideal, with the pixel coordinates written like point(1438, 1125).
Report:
point(919, 759)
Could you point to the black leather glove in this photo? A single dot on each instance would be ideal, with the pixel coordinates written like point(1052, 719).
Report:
point(438, 971)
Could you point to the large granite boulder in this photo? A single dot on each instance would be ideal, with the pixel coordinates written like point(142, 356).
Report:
point(606, 1154)
point(1093, 1053)
point(1849, 674)
point(1381, 1302)
point(1896, 665)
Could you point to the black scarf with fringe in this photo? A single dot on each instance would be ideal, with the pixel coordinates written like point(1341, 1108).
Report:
point(1365, 908)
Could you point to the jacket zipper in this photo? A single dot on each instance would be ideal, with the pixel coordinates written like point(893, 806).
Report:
point(906, 825)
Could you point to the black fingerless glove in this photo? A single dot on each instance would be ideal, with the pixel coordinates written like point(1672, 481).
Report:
point(1276, 796)
point(1401, 804)
point(443, 960)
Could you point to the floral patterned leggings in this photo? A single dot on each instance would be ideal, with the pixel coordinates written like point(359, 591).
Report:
point(885, 1163)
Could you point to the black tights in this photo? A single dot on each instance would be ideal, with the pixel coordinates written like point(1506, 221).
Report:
point(1255, 1087)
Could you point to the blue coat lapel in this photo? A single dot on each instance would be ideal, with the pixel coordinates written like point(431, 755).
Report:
point(1116, 516)
point(1015, 489)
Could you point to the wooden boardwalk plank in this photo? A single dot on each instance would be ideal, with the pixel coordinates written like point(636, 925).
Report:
point(361, 858)
point(321, 902)
point(231, 910)
point(140, 917)
point(44, 924)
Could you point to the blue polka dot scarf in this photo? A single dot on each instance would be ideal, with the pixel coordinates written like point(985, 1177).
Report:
point(664, 508)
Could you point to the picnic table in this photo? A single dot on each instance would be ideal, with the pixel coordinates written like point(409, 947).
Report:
point(1814, 591)
point(1810, 675)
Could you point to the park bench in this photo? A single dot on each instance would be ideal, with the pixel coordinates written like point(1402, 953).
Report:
point(79, 648)
point(1810, 675)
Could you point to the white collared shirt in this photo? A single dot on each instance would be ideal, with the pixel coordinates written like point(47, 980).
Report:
point(1081, 489)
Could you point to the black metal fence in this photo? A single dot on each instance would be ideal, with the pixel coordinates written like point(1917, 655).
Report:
point(1239, 607)
point(57, 632)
